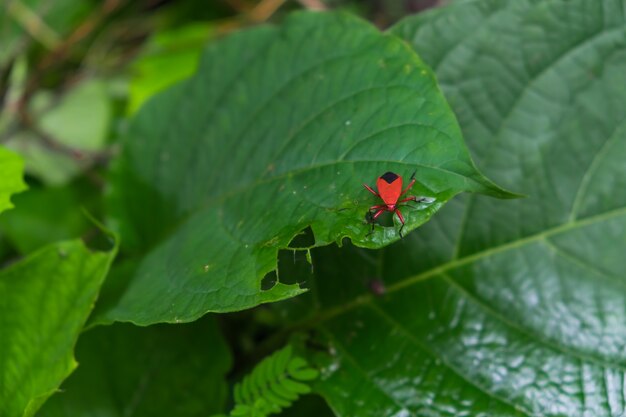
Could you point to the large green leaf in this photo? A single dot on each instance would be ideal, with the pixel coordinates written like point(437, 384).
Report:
point(11, 181)
point(162, 370)
point(44, 301)
point(492, 308)
point(276, 132)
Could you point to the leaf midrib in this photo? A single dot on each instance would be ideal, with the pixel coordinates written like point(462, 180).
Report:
point(504, 124)
point(346, 353)
point(540, 339)
point(79, 290)
point(236, 192)
point(440, 271)
point(416, 342)
point(367, 298)
point(300, 171)
point(448, 365)
point(592, 169)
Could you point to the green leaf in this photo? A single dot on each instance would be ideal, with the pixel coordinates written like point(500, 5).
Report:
point(11, 182)
point(220, 172)
point(241, 410)
point(500, 309)
point(159, 370)
point(273, 384)
point(283, 394)
point(296, 387)
point(82, 117)
point(48, 214)
point(168, 57)
point(299, 369)
point(75, 129)
point(46, 299)
point(51, 167)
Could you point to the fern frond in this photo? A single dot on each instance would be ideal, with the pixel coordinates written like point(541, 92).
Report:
point(274, 384)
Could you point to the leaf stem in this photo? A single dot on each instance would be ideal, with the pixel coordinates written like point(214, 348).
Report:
point(33, 24)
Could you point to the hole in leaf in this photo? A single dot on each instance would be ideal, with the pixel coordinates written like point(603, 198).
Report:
point(97, 240)
point(304, 239)
point(385, 219)
point(295, 267)
point(269, 280)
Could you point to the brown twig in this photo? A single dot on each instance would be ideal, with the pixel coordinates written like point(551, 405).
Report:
point(240, 6)
point(81, 32)
point(33, 24)
point(264, 10)
point(53, 58)
point(313, 4)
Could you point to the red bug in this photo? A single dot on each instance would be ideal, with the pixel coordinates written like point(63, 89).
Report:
point(390, 190)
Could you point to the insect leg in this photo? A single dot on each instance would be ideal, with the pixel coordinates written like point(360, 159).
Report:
point(397, 211)
point(378, 213)
point(373, 218)
point(371, 190)
point(378, 207)
point(416, 199)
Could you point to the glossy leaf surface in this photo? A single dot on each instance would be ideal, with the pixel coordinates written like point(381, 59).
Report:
point(513, 308)
point(220, 172)
point(46, 299)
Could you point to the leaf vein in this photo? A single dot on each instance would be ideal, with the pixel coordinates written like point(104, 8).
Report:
point(531, 335)
point(360, 369)
point(528, 87)
point(425, 348)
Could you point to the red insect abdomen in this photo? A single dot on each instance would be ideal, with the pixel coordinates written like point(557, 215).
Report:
point(389, 187)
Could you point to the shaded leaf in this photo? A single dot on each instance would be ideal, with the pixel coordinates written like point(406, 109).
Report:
point(46, 299)
point(221, 171)
point(48, 214)
point(308, 405)
point(160, 370)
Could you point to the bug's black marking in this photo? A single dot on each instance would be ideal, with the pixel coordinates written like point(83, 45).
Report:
point(389, 177)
